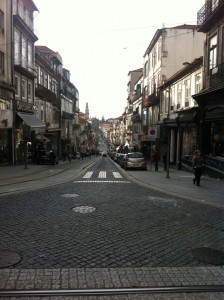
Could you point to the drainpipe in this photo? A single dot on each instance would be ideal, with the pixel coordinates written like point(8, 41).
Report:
point(14, 98)
point(168, 142)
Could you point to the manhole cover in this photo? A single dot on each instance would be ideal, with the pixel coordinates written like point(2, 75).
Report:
point(70, 195)
point(8, 258)
point(208, 255)
point(84, 209)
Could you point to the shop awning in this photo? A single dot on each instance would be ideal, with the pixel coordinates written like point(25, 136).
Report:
point(31, 120)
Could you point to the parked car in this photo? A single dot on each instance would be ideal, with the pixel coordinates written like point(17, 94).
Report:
point(78, 156)
point(135, 160)
point(45, 159)
point(116, 157)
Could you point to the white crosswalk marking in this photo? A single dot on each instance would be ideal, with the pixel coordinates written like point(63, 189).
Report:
point(102, 174)
point(117, 175)
point(88, 175)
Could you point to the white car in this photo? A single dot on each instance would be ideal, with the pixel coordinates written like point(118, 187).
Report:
point(78, 156)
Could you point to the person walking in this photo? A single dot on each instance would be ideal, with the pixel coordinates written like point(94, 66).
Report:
point(197, 164)
point(165, 161)
point(156, 159)
point(52, 157)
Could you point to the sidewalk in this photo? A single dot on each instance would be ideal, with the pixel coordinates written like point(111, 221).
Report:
point(179, 183)
point(18, 178)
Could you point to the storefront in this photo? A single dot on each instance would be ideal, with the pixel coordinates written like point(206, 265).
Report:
point(26, 126)
point(6, 147)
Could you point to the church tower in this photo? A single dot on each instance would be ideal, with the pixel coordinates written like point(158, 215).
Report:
point(87, 111)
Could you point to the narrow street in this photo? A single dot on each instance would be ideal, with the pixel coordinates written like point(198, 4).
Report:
point(103, 220)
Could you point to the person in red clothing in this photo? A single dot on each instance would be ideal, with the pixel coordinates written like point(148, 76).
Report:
point(156, 159)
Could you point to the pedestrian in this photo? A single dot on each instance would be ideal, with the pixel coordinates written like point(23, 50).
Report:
point(197, 164)
point(52, 157)
point(156, 159)
point(69, 156)
point(165, 161)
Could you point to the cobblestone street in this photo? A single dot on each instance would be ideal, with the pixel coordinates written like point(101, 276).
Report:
point(104, 231)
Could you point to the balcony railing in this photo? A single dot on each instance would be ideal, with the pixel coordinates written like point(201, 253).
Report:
point(208, 12)
point(25, 66)
point(45, 93)
point(66, 115)
point(151, 100)
point(217, 77)
point(136, 118)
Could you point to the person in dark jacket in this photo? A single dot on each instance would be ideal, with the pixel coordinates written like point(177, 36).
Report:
point(52, 157)
point(197, 164)
point(156, 159)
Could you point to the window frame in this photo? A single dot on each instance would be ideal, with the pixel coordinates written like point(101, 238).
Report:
point(212, 58)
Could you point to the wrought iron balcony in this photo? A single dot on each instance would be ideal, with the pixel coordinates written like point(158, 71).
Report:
point(43, 92)
point(209, 13)
point(151, 100)
point(66, 115)
point(217, 77)
point(136, 118)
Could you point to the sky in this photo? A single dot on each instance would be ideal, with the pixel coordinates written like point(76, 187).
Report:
point(100, 41)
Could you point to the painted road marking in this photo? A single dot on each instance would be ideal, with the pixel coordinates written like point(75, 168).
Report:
point(88, 175)
point(117, 175)
point(102, 174)
point(101, 181)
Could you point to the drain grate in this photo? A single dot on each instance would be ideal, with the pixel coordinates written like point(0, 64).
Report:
point(208, 255)
point(9, 258)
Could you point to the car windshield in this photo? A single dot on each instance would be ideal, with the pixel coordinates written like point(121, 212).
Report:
point(135, 155)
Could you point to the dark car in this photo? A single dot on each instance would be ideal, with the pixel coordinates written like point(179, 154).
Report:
point(44, 158)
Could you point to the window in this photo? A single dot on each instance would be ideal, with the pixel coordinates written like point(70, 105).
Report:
point(17, 89)
point(29, 91)
point(24, 52)
point(172, 98)
point(197, 83)
point(187, 92)
point(167, 100)
point(179, 95)
point(16, 47)
point(146, 69)
point(41, 77)
point(23, 89)
point(29, 57)
point(50, 83)
point(46, 80)
point(1, 21)
point(213, 52)
point(2, 63)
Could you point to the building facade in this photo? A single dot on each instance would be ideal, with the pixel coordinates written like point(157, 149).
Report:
point(6, 84)
point(211, 99)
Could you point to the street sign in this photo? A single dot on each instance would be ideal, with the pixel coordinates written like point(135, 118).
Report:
point(153, 132)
